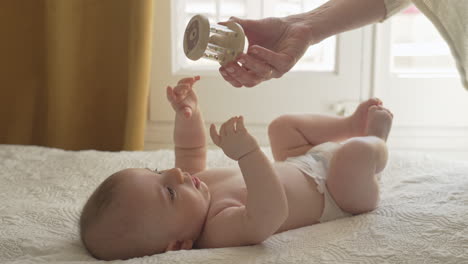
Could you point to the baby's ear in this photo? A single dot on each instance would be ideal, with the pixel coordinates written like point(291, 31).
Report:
point(178, 245)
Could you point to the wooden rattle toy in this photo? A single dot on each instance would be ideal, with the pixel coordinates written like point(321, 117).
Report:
point(216, 42)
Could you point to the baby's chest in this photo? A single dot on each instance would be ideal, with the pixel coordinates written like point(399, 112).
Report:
point(228, 193)
point(225, 184)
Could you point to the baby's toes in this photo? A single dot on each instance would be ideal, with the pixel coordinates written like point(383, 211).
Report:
point(385, 110)
point(373, 108)
point(389, 112)
point(374, 101)
point(364, 106)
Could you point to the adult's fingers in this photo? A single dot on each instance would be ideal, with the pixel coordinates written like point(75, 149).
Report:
point(242, 75)
point(280, 62)
point(240, 21)
point(250, 26)
point(229, 78)
point(258, 67)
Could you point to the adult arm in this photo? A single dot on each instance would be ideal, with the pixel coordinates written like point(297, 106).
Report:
point(276, 44)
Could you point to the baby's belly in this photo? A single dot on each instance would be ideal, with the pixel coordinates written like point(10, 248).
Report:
point(304, 201)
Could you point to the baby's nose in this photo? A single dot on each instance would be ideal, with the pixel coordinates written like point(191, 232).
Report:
point(177, 173)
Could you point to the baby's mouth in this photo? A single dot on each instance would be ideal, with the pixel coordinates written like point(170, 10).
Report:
point(195, 181)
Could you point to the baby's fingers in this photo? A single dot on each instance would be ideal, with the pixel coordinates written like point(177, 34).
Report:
point(230, 129)
point(181, 90)
point(170, 94)
point(240, 124)
point(214, 135)
point(222, 129)
point(190, 80)
point(227, 128)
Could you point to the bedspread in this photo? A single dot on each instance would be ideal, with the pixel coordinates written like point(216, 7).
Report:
point(422, 216)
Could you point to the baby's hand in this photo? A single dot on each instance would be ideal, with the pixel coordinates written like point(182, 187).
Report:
point(182, 97)
point(233, 138)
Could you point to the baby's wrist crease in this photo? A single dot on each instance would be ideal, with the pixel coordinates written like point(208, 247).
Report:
point(246, 154)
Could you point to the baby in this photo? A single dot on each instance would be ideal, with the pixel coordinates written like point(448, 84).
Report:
point(325, 168)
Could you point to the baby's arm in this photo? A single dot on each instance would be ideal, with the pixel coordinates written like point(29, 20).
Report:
point(266, 208)
point(189, 130)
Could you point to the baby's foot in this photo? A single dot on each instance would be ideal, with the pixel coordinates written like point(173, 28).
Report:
point(379, 122)
point(360, 116)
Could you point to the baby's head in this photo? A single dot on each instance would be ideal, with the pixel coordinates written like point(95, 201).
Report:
point(140, 212)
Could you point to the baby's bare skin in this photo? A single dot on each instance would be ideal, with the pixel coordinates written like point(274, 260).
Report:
point(192, 206)
point(305, 203)
point(228, 189)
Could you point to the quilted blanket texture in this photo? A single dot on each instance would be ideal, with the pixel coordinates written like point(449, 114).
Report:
point(422, 217)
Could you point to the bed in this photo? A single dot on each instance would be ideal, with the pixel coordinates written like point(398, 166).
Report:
point(422, 217)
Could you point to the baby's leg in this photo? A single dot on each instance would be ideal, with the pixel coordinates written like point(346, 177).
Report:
point(293, 135)
point(351, 177)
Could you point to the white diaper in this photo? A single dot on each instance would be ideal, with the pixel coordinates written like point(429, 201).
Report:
point(315, 164)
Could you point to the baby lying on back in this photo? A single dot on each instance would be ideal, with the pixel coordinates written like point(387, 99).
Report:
point(325, 168)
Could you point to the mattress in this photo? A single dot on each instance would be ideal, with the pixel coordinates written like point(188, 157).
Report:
point(422, 216)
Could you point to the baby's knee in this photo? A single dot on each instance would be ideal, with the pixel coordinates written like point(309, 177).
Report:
point(279, 124)
point(366, 146)
point(363, 151)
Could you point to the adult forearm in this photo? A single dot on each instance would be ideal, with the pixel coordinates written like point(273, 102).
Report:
point(336, 16)
point(267, 206)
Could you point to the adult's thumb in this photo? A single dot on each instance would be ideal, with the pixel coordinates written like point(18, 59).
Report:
point(243, 22)
point(235, 19)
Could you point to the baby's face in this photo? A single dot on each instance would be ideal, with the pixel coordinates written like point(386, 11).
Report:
point(171, 203)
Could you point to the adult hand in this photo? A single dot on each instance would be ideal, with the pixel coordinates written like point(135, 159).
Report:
point(275, 45)
point(233, 138)
point(182, 97)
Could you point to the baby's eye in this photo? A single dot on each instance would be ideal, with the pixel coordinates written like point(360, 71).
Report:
point(154, 170)
point(171, 193)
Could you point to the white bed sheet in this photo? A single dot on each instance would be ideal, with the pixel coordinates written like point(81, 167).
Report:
point(422, 217)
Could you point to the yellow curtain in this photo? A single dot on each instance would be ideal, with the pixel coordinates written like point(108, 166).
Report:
point(74, 74)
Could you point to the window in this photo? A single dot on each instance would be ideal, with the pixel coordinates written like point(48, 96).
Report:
point(415, 74)
point(417, 47)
